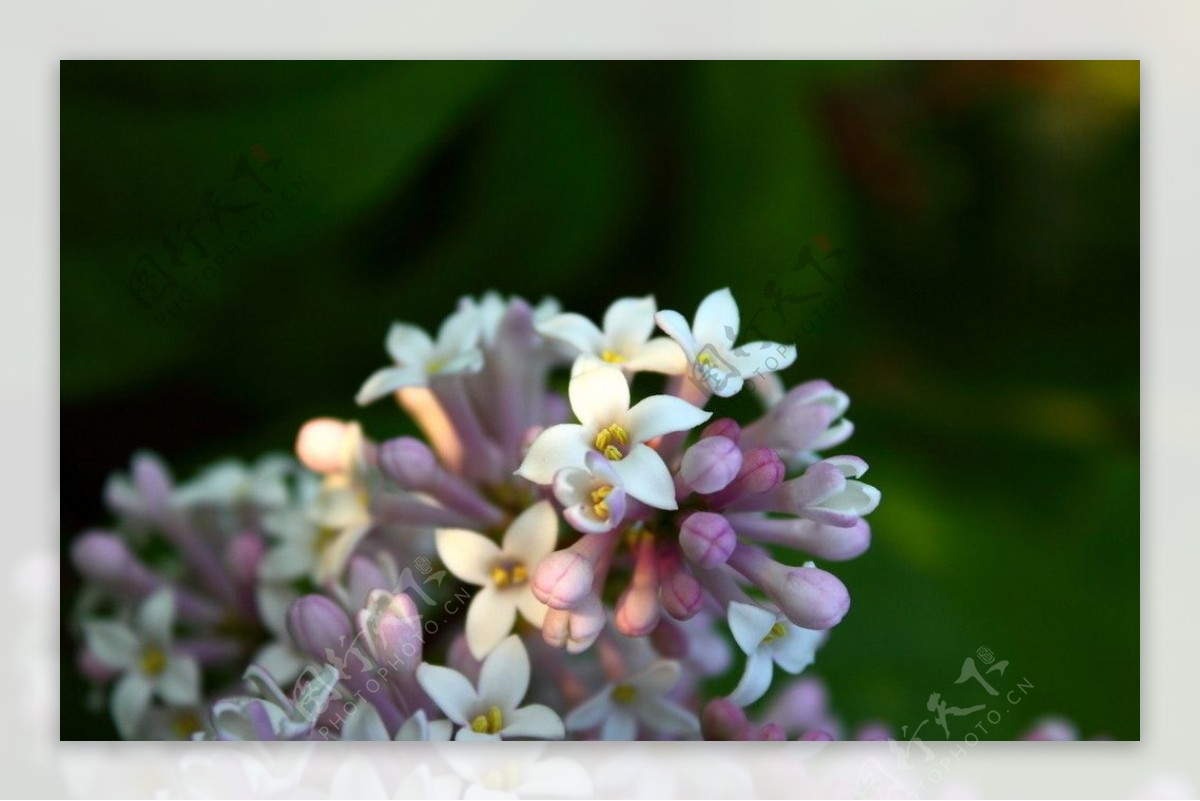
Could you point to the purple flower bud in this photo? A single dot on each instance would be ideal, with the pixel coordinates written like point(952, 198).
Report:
point(409, 462)
point(670, 640)
point(722, 720)
point(711, 464)
point(707, 539)
point(809, 597)
point(762, 470)
point(800, 422)
point(815, 736)
point(771, 733)
point(724, 427)
point(153, 482)
point(318, 625)
point(391, 626)
point(102, 557)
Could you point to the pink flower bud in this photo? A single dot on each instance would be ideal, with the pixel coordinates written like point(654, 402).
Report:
point(681, 595)
point(563, 578)
point(707, 539)
point(391, 626)
point(809, 597)
point(102, 557)
point(637, 609)
point(722, 720)
point(724, 427)
point(711, 464)
point(319, 445)
point(242, 557)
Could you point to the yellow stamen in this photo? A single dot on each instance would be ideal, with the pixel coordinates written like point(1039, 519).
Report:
point(153, 661)
point(325, 536)
point(185, 724)
point(491, 723)
point(624, 693)
point(509, 574)
point(599, 502)
point(605, 439)
point(612, 357)
point(777, 631)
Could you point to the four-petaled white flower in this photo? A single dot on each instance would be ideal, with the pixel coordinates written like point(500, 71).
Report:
point(639, 699)
point(593, 497)
point(230, 483)
point(709, 345)
point(316, 536)
point(149, 665)
point(768, 639)
point(600, 399)
point(491, 712)
point(503, 573)
point(273, 716)
point(625, 340)
point(419, 358)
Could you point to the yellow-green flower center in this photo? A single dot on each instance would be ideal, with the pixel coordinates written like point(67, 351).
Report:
point(324, 538)
point(612, 357)
point(491, 723)
point(777, 631)
point(611, 440)
point(509, 574)
point(624, 693)
point(153, 661)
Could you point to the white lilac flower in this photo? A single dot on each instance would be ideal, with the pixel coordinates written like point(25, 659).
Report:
point(419, 358)
point(502, 572)
point(315, 537)
point(230, 483)
point(593, 497)
point(143, 653)
point(625, 340)
point(600, 400)
point(768, 639)
point(640, 699)
point(490, 712)
point(363, 724)
point(709, 345)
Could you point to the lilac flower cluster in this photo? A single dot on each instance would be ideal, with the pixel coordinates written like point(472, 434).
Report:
point(581, 564)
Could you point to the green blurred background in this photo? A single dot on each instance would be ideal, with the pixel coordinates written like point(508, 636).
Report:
point(977, 223)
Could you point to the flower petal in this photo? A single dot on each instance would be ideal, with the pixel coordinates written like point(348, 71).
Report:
point(755, 682)
point(536, 720)
point(574, 330)
point(179, 683)
point(717, 320)
point(645, 476)
point(656, 678)
point(532, 535)
point(557, 447)
point(504, 676)
point(659, 355)
point(387, 380)
point(469, 555)
point(459, 333)
point(129, 702)
point(490, 619)
point(761, 358)
point(599, 397)
point(676, 327)
point(408, 345)
point(572, 485)
point(749, 624)
point(662, 414)
point(628, 323)
point(666, 716)
point(592, 711)
point(529, 606)
point(619, 726)
point(156, 617)
point(363, 724)
point(449, 689)
point(113, 643)
point(281, 660)
point(797, 649)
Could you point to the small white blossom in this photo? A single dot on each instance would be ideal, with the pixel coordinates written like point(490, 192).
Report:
point(149, 666)
point(593, 497)
point(419, 358)
point(363, 724)
point(625, 341)
point(709, 345)
point(491, 712)
point(230, 483)
point(768, 639)
point(502, 572)
point(641, 699)
point(600, 400)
